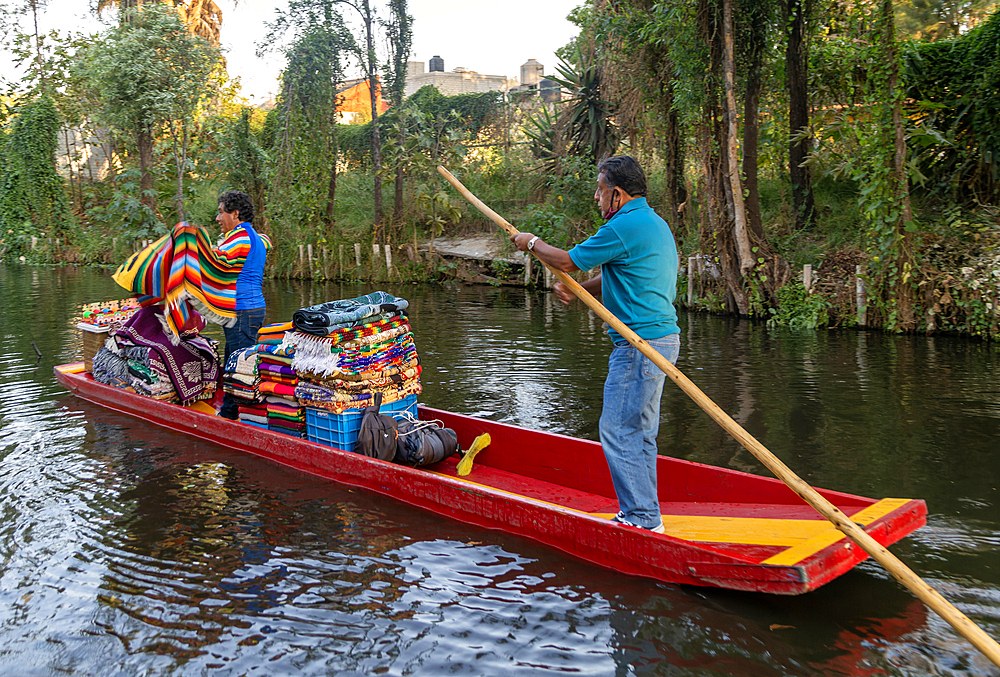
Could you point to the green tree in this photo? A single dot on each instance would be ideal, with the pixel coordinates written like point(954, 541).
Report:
point(796, 15)
point(32, 194)
point(399, 33)
point(940, 19)
point(202, 17)
point(368, 60)
point(245, 160)
point(151, 74)
point(303, 127)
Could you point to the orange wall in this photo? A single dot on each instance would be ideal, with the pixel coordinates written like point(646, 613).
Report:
point(357, 99)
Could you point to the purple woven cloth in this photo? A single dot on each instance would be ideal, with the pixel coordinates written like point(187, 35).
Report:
point(279, 369)
point(190, 364)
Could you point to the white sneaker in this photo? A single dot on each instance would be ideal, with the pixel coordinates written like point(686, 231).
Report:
point(620, 518)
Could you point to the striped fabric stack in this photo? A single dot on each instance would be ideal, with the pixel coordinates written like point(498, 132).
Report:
point(343, 370)
point(272, 334)
point(253, 413)
point(278, 381)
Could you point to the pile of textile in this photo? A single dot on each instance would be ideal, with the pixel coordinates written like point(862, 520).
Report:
point(142, 356)
point(241, 380)
point(182, 268)
point(278, 380)
point(349, 350)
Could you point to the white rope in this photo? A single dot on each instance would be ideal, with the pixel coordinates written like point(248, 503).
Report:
point(417, 423)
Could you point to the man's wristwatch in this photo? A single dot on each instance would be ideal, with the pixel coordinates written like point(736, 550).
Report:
point(531, 244)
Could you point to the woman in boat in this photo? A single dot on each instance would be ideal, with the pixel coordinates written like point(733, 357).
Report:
point(245, 249)
point(638, 281)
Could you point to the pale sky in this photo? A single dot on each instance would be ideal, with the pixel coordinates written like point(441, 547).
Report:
point(493, 38)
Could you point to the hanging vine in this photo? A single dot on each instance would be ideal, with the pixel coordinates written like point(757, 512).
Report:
point(33, 198)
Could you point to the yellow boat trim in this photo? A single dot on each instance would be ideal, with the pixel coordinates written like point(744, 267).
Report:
point(802, 538)
point(831, 535)
point(504, 491)
point(71, 368)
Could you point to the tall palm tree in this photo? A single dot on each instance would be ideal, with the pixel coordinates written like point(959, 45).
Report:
point(202, 17)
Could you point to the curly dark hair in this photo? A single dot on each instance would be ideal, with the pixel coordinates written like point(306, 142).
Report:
point(625, 172)
point(235, 201)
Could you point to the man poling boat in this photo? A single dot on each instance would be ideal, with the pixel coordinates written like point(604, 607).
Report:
point(959, 621)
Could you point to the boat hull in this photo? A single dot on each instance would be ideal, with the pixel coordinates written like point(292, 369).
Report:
point(726, 529)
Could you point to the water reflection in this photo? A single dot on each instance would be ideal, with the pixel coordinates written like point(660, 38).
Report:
point(127, 549)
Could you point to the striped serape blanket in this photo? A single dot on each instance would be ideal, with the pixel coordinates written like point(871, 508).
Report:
point(184, 266)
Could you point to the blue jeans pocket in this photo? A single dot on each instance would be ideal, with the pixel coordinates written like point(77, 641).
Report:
point(669, 347)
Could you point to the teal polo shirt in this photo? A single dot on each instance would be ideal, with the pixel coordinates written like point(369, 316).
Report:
point(638, 258)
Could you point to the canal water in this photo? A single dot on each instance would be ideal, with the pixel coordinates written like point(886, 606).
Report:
point(129, 550)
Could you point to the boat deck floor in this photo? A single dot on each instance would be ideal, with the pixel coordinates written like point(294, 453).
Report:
point(770, 533)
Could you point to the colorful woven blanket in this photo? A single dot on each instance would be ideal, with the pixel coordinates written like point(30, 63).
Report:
point(326, 317)
point(319, 399)
point(190, 363)
point(184, 266)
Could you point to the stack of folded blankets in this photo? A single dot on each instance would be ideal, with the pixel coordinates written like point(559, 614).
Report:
point(143, 357)
point(347, 351)
point(282, 412)
point(240, 379)
point(272, 334)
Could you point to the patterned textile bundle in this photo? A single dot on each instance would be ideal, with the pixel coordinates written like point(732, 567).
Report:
point(180, 267)
point(320, 357)
point(375, 327)
point(240, 378)
point(377, 382)
point(141, 357)
point(325, 318)
point(315, 395)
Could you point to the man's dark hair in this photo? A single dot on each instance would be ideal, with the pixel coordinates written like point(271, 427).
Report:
point(235, 201)
point(625, 172)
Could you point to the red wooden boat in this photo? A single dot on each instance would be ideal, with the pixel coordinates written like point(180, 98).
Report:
point(725, 528)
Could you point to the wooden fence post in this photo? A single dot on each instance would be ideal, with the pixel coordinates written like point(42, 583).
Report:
point(302, 261)
point(527, 269)
point(860, 297)
point(375, 263)
point(309, 250)
point(692, 266)
point(357, 254)
point(807, 276)
point(340, 261)
point(388, 262)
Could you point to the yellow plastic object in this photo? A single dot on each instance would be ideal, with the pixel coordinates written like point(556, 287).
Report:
point(480, 443)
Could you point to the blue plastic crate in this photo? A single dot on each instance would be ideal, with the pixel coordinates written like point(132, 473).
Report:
point(341, 430)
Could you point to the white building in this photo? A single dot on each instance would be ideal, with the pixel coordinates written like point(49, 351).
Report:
point(457, 81)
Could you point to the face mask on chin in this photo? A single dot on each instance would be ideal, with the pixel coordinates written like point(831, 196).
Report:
point(612, 210)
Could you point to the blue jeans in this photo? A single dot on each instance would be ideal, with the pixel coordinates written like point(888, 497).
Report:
point(241, 335)
point(630, 422)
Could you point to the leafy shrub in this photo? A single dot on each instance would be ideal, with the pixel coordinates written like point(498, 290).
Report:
point(799, 309)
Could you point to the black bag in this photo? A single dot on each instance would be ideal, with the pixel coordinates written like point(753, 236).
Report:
point(423, 442)
point(377, 436)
